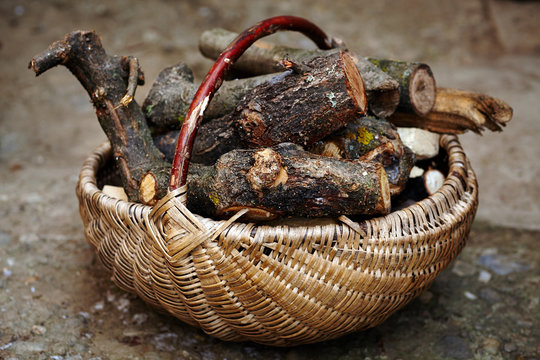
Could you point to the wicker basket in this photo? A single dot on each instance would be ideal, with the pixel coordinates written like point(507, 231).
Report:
point(284, 284)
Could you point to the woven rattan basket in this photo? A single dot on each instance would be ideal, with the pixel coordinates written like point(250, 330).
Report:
point(283, 284)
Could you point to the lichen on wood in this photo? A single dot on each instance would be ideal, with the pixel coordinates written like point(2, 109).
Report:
point(417, 86)
point(370, 139)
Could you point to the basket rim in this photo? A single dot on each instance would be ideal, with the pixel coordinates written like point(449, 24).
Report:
point(460, 180)
point(377, 265)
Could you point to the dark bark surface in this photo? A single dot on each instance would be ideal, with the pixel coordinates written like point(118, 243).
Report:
point(416, 84)
point(371, 139)
point(111, 82)
point(285, 180)
point(262, 58)
point(295, 107)
point(167, 102)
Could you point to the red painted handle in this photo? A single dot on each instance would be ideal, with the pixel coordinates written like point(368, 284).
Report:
point(215, 77)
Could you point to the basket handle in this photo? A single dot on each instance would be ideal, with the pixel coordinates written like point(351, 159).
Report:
point(216, 74)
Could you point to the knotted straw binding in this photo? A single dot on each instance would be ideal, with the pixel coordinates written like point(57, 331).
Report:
point(279, 285)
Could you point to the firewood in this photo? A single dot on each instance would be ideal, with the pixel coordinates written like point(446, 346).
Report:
point(285, 180)
point(433, 180)
point(424, 144)
point(416, 172)
point(294, 107)
point(369, 139)
point(115, 192)
point(166, 143)
point(416, 84)
point(167, 102)
point(111, 82)
point(456, 111)
point(217, 74)
point(262, 58)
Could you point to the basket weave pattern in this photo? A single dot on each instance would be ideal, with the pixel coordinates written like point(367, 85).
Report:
point(280, 285)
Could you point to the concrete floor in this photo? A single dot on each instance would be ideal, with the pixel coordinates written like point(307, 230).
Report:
point(57, 302)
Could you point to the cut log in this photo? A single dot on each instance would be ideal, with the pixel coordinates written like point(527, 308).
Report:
point(285, 180)
point(217, 74)
point(299, 108)
point(416, 84)
point(424, 144)
point(263, 58)
point(171, 94)
point(416, 172)
point(166, 143)
point(167, 101)
point(369, 139)
point(111, 82)
point(433, 180)
point(115, 192)
point(456, 111)
point(214, 139)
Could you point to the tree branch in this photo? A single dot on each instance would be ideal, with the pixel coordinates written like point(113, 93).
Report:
point(111, 82)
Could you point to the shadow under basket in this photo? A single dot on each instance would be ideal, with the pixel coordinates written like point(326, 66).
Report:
point(282, 284)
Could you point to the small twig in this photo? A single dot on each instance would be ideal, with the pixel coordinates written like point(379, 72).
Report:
point(296, 67)
point(136, 77)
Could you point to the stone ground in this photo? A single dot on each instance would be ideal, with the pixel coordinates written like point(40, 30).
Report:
point(57, 302)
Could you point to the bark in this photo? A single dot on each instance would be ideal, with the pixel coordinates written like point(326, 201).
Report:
point(456, 111)
point(214, 139)
point(294, 107)
point(416, 84)
point(369, 139)
point(262, 58)
point(217, 74)
point(166, 143)
point(287, 181)
point(111, 82)
point(167, 102)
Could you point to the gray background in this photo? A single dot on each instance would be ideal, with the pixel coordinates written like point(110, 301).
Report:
point(55, 298)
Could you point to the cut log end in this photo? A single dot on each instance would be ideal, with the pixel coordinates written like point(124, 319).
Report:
point(148, 189)
point(433, 180)
point(385, 203)
point(354, 82)
point(116, 192)
point(422, 90)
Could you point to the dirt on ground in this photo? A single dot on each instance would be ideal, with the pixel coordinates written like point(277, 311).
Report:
point(56, 300)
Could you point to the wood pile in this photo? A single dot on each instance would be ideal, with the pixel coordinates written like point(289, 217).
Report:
point(292, 132)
